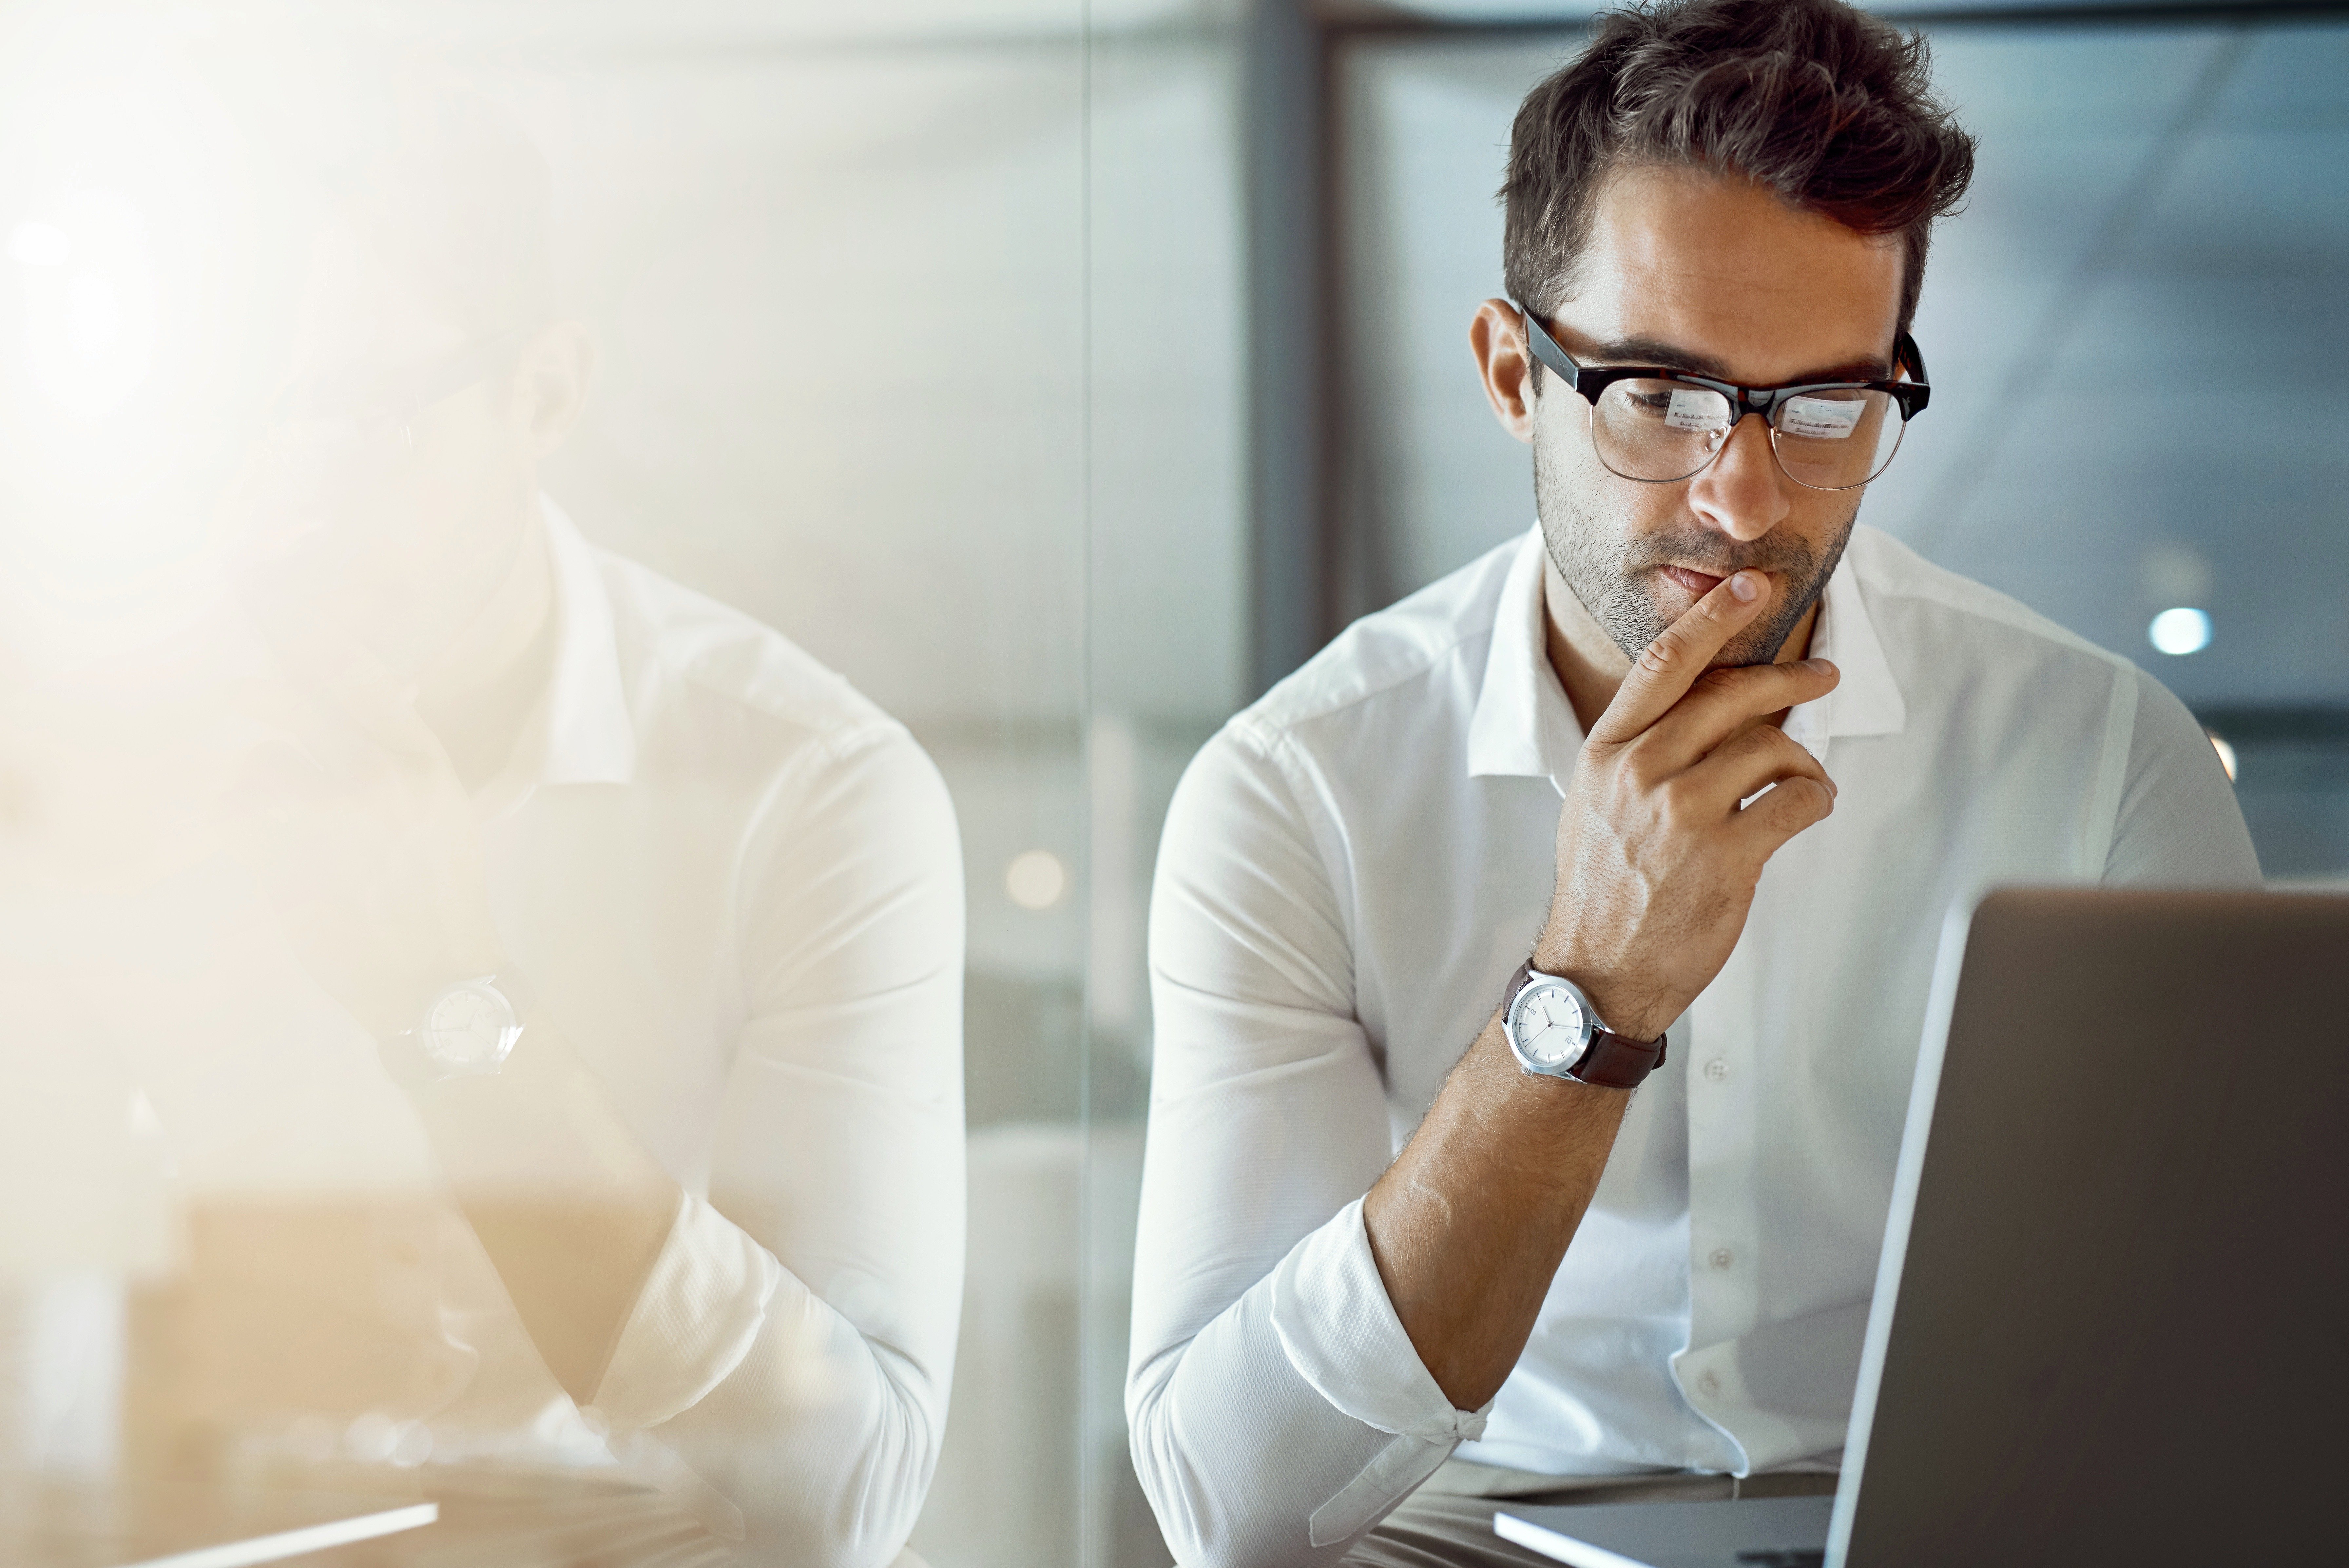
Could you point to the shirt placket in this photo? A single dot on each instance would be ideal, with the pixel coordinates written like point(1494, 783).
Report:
point(1724, 1199)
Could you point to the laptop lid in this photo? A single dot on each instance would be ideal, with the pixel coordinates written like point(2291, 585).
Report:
point(2108, 1325)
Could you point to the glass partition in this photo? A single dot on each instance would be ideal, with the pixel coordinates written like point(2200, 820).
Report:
point(1168, 593)
point(548, 782)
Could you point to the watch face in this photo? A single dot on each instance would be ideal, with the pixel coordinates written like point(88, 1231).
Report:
point(469, 1026)
point(1549, 1026)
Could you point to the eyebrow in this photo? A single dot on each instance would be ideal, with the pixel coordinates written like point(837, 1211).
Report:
point(1665, 356)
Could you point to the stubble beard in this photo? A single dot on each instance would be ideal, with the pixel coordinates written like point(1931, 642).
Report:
point(1611, 567)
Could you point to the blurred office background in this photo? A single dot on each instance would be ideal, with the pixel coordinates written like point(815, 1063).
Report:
point(1064, 373)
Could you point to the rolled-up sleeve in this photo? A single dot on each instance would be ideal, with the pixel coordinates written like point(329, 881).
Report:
point(1277, 1409)
point(792, 1349)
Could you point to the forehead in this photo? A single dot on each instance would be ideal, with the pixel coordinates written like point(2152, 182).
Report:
point(1723, 268)
point(356, 310)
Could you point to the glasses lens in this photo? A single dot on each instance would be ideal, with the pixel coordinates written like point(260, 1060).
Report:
point(1833, 440)
point(1658, 429)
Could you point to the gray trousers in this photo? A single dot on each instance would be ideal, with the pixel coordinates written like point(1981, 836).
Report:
point(1445, 1528)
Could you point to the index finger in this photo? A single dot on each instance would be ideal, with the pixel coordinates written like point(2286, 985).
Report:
point(1683, 651)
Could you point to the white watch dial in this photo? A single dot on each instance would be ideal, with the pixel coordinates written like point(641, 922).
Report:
point(470, 1027)
point(1550, 1027)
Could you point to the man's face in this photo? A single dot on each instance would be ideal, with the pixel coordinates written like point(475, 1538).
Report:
point(391, 490)
point(1687, 270)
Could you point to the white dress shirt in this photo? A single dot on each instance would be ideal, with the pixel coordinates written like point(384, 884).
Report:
point(734, 886)
point(1351, 870)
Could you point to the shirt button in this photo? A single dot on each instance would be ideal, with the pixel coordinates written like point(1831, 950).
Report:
point(1716, 1069)
point(1720, 1258)
point(1708, 1384)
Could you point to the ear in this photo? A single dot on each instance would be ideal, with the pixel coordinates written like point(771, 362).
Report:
point(1497, 337)
point(552, 380)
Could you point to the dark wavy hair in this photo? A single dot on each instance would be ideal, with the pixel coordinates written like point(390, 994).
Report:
point(1830, 107)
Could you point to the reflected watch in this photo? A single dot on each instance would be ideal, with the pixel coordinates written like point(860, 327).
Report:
point(468, 1029)
point(1555, 1033)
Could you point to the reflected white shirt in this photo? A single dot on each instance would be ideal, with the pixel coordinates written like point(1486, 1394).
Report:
point(1351, 870)
point(736, 887)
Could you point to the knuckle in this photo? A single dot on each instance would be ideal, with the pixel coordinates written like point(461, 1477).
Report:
point(1724, 682)
point(1803, 801)
point(1659, 656)
point(1678, 802)
point(1732, 750)
point(1760, 743)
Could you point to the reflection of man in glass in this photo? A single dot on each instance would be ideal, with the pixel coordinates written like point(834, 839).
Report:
point(656, 922)
point(1696, 761)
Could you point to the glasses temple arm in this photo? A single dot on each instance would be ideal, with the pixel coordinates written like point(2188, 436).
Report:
point(1906, 353)
point(1544, 347)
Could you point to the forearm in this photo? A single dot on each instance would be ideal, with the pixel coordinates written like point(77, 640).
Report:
point(1471, 1221)
point(570, 1208)
point(1293, 1419)
point(822, 1440)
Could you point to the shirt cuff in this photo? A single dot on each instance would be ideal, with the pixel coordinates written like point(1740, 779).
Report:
point(1340, 1331)
point(701, 1309)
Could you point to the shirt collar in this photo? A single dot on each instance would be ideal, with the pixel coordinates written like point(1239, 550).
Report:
point(1524, 727)
point(582, 731)
point(1867, 700)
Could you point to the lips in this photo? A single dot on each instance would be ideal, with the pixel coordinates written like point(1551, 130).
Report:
point(1698, 584)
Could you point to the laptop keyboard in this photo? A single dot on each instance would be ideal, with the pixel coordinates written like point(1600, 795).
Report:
point(1786, 1557)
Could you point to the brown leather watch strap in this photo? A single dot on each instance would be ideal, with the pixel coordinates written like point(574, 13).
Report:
point(1615, 1062)
point(1611, 1060)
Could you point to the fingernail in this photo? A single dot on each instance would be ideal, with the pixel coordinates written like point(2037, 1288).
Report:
point(1824, 666)
point(1747, 585)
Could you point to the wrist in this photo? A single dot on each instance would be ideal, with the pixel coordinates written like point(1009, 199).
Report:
point(466, 1028)
point(1514, 1093)
point(1554, 1029)
point(1528, 1122)
point(1625, 1006)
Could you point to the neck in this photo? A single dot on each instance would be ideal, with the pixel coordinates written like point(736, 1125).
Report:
point(480, 691)
point(1588, 664)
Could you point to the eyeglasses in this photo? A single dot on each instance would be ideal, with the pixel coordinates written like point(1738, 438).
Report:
point(1659, 426)
point(329, 418)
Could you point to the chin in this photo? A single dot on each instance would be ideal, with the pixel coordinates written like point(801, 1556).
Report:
point(1741, 655)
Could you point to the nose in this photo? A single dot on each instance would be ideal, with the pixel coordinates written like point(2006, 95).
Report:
point(1742, 491)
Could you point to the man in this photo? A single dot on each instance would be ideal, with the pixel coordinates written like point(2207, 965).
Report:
point(655, 923)
point(1702, 751)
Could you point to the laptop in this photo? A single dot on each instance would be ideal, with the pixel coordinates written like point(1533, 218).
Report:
point(2111, 1324)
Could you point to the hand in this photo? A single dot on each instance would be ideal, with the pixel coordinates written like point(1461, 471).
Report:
point(355, 822)
point(1657, 862)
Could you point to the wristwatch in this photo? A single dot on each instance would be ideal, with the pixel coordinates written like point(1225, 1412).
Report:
point(1555, 1033)
point(468, 1031)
